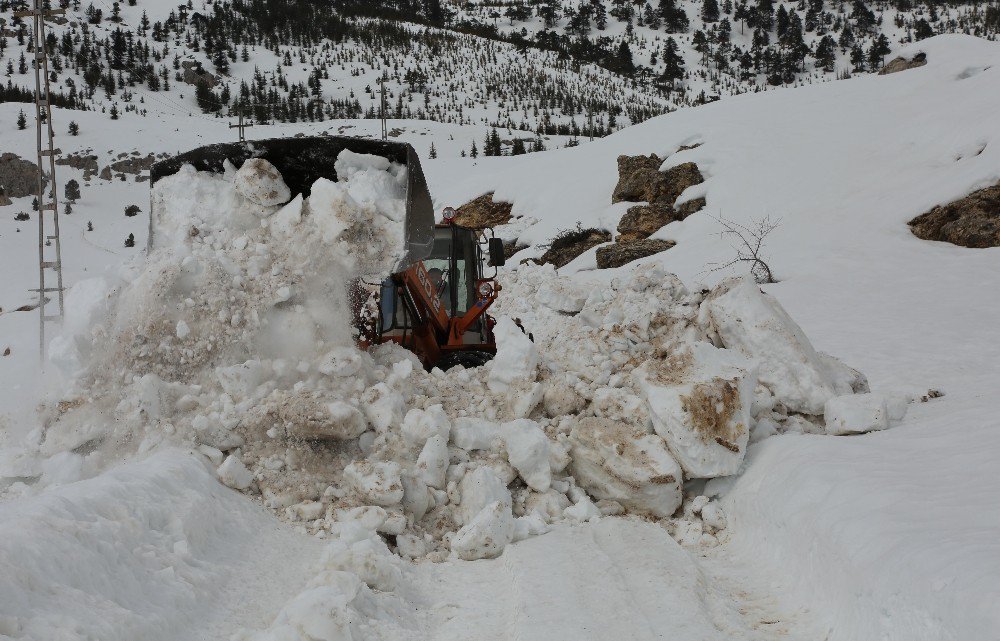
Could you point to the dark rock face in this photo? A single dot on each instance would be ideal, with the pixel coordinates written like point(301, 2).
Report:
point(640, 179)
point(618, 254)
point(19, 177)
point(570, 244)
point(973, 221)
point(902, 64)
point(84, 162)
point(134, 165)
point(642, 221)
point(483, 212)
point(194, 74)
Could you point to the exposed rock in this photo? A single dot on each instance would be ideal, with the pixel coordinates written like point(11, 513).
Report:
point(973, 221)
point(690, 207)
point(902, 64)
point(84, 162)
point(616, 462)
point(511, 247)
point(642, 221)
point(19, 177)
point(639, 179)
point(618, 254)
point(134, 165)
point(570, 244)
point(105, 173)
point(483, 212)
point(194, 74)
point(4, 200)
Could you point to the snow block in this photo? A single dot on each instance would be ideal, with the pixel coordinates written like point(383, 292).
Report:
point(479, 488)
point(234, 474)
point(699, 401)
point(486, 535)
point(377, 482)
point(432, 463)
point(754, 323)
point(420, 425)
point(336, 421)
point(260, 182)
point(615, 462)
point(516, 359)
point(474, 433)
point(528, 452)
point(856, 414)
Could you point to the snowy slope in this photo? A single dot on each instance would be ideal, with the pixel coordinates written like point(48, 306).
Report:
point(870, 530)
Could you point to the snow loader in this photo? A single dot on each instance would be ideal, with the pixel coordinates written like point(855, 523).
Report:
point(435, 302)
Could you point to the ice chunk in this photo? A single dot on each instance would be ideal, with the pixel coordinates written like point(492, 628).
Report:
point(479, 488)
point(584, 510)
point(856, 413)
point(755, 324)
point(233, 473)
point(516, 359)
point(700, 402)
point(260, 182)
point(528, 452)
point(486, 535)
point(616, 462)
point(377, 482)
point(384, 407)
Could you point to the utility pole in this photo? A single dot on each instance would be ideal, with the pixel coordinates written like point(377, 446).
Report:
point(48, 232)
point(241, 126)
point(385, 131)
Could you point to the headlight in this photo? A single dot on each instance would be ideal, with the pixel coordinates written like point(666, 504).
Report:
point(485, 289)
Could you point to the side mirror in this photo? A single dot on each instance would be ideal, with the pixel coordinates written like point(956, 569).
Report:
point(497, 258)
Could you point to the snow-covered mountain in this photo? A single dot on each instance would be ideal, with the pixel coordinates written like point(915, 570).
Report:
point(890, 534)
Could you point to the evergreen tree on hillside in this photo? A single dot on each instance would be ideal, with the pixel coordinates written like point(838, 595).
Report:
point(710, 11)
point(673, 64)
point(623, 60)
point(74, 129)
point(22, 121)
point(548, 11)
point(72, 190)
point(674, 18)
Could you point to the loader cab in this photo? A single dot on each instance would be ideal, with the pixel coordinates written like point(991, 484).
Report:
point(455, 266)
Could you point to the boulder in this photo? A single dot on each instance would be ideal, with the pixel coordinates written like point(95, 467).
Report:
point(902, 64)
point(565, 247)
point(699, 401)
point(690, 207)
point(19, 177)
point(4, 200)
point(616, 462)
point(483, 212)
point(679, 178)
point(622, 253)
point(753, 323)
point(193, 74)
point(642, 221)
point(639, 179)
point(973, 221)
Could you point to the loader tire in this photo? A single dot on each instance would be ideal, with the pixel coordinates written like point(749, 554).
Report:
point(467, 359)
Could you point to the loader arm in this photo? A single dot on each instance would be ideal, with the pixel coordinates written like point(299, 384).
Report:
point(418, 283)
point(461, 325)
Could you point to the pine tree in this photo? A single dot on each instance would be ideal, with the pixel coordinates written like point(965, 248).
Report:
point(34, 204)
point(433, 153)
point(132, 210)
point(114, 111)
point(74, 129)
point(68, 209)
point(623, 59)
point(130, 241)
point(710, 11)
point(673, 64)
point(922, 29)
point(72, 190)
point(517, 148)
point(22, 121)
point(474, 152)
point(90, 226)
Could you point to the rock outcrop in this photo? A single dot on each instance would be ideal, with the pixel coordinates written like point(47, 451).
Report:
point(902, 64)
point(622, 253)
point(193, 74)
point(18, 177)
point(483, 212)
point(568, 245)
point(973, 221)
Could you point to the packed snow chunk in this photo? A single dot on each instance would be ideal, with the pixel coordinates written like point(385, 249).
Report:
point(486, 535)
point(417, 497)
point(384, 407)
point(479, 488)
point(336, 421)
point(516, 359)
point(747, 320)
point(420, 425)
point(288, 217)
point(584, 510)
point(183, 330)
point(532, 524)
point(699, 401)
point(616, 462)
point(528, 452)
point(362, 552)
point(240, 381)
point(856, 413)
point(377, 482)
point(374, 182)
point(234, 474)
point(560, 399)
point(563, 295)
point(321, 613)
point(432, 463)
point(260, 182)
point(474, 433)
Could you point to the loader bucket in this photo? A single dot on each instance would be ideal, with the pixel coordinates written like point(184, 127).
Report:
point(303, 160)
